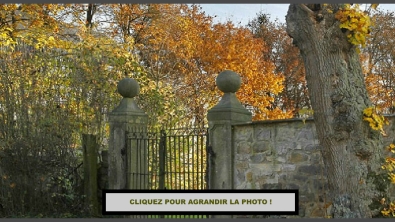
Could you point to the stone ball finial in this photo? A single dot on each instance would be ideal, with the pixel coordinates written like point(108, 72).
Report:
point(228, 81)
point(128, 88)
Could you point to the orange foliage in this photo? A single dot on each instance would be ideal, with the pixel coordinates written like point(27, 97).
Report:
point(378, 63)
point(288, 63)
point(177, 45)
point(183, 47)
point(241, 52)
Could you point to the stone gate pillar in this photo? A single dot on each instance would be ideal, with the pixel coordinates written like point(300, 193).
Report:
point(127, 115)
point(221, 117)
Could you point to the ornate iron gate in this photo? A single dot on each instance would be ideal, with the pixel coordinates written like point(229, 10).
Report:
point(169, 159)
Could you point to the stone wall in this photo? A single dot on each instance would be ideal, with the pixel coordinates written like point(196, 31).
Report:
point(285, 154)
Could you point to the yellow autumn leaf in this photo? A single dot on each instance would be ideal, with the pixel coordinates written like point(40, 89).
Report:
point(374, 6)
point(353, 26)
point(345, 25)
point(385, 212)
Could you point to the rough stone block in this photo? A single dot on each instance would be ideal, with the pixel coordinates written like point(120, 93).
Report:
point(312, 147)
point(242, 133)
point(258, 158)
point(242, 157)
point(322, 198)
point(239, 177)
point(297, 157)
point(285, 133)
point(281, 159)
point(276, 159)
point(305, 197)
point(243, 147)
point(248, 176)
point(320, 184)
point(241, 165)
point(272, 186)
point(305, 134)
point(272, 181)
point(241, 186)
point(317, 213)
point(316, 158)
point(299, 177)
point(288, 167)
point(260, 147)
point(310, 169)
point(263, 133)
point(283, 147)
point(302, 210)
point(292, 186)
point(265, 169)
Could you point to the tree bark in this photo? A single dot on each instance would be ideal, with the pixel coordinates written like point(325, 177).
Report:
point(351, 150)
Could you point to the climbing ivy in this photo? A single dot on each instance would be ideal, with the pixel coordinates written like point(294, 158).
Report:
point(375, 119)
point(377, 122)
point(305, 113)
point(389, 166)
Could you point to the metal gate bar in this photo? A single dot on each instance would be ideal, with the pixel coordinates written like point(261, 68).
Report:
point(170, 159)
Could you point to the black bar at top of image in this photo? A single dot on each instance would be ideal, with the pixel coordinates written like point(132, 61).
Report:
point(295, 191)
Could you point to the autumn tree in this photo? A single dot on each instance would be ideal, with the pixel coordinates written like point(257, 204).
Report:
point(242, 53)
point(35, 149)
point(378, 61)
point(133, 23)
point(180, 46)
point(328, 36)
point(59, 76)
point(287, 61)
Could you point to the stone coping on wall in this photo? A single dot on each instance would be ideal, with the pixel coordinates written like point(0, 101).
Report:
point(257, 122)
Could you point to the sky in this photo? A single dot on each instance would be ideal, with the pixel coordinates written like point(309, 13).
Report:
point(243, 13)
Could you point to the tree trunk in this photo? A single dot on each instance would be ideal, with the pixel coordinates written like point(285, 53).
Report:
point(351, 150)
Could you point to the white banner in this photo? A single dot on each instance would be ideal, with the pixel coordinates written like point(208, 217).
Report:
point(140, 202)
